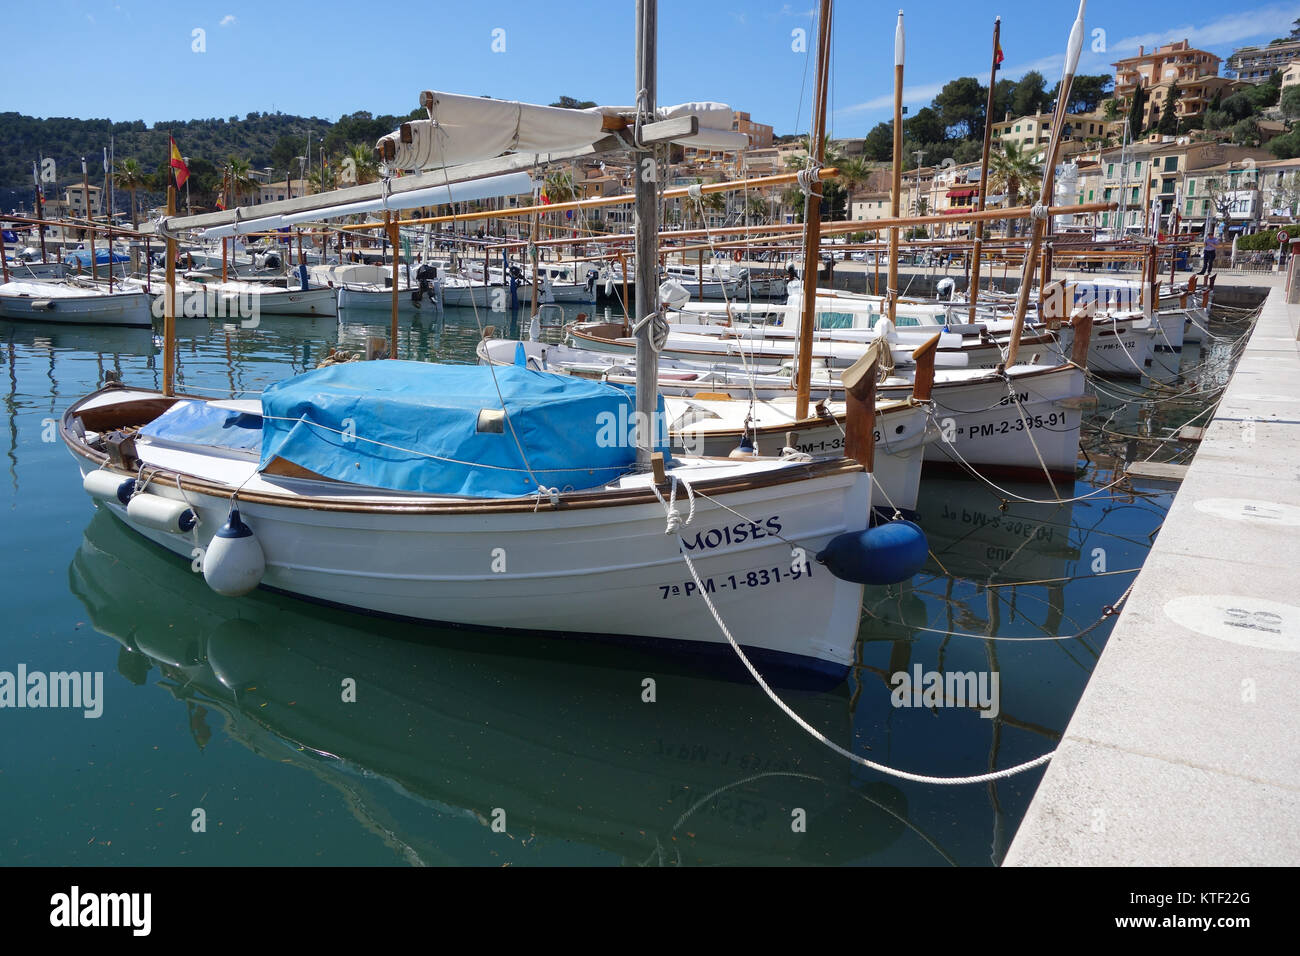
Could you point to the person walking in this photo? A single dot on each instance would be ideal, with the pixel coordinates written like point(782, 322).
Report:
point(1211, 250)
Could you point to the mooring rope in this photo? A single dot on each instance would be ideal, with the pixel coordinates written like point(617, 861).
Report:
point(674, 527)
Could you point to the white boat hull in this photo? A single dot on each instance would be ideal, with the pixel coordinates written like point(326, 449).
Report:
point(119, 309)
point(608, 569)
point(980, 424)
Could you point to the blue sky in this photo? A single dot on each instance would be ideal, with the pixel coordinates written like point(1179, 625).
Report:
point(135, 60)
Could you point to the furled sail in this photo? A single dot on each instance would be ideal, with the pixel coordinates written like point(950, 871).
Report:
point(463, 129)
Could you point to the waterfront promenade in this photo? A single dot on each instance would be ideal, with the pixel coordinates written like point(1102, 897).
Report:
point(1185, 748)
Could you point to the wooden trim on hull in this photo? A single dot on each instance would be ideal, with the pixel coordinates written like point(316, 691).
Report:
point(569, 501)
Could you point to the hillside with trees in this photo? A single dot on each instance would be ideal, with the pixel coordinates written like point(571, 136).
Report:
point(952, 126)
point(258, 139)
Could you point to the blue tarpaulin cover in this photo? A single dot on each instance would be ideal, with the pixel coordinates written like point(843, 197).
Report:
point(200, 424)
point(414, 426)
point(82, 256)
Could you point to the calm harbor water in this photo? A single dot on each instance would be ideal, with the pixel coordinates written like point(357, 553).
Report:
point(234, 706)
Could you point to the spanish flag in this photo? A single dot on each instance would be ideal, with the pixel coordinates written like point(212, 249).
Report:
point(997, 55)
point(182, 172)
point(221, 196)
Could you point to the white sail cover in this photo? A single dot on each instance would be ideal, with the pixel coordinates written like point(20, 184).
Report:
point(464, 129)
point(511, 184)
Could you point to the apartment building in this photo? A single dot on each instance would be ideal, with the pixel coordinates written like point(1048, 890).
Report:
point(1193, 71)
point(1161, 171)
point(760, 134)
point(1255, 64)
point(1029, 132)
point(75, 201)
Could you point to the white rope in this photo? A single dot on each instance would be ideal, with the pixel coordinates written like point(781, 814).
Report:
point(657, 336)
point(1029, 433)
point(808, 177)
point(1038, 211)
point(674, 526)
point(822, 738)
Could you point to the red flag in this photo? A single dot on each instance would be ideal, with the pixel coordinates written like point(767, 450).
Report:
point(181, 171)
point(997, 54)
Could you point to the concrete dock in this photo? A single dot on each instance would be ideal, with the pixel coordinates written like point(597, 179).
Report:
point(1185, 747)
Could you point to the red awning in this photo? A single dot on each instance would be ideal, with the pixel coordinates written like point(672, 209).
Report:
point(961, 193)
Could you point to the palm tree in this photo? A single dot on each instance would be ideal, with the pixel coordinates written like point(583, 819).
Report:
point(560, 187)
point(362, 160)
point(792, 198)
point(131, 177)
point(1014, 171)
point(241, 178)
point(711, 202)
point(322, 178)
point(854, 171)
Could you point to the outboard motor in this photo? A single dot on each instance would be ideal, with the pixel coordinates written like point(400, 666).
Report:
point(425, 283)
point(946, 288)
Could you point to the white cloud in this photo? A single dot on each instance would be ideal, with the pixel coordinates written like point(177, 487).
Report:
point(1270, 22)
point(911, 94)
point(228, 20)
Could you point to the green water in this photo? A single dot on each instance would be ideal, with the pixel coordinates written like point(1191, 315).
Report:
point(235, 707)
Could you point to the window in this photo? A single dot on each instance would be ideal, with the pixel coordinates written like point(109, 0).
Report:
point(1017, 129)
point(1171, 163)
point(1191, 187)
point(1110, 170)
point(1089, 195)
point(1188, 207)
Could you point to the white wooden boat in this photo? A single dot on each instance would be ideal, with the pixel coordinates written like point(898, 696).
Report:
point(977, 413)
point(746, 346)
point(593, 562)
point(715, 428)
point(66, 303)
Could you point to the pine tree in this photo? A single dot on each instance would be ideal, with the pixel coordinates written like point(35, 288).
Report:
point(1136, 110)
point(1168, 124)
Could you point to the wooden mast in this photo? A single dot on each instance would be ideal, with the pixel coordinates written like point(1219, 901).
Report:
point(169, 298)
point(647, 236)
point(974, 288)
point(392, 239)
point(813, 216)
point(1075, 45)
point(895, 199)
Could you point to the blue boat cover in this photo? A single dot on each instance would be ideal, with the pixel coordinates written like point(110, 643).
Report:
point(82, 257)
point(415, 427)
point(200, 424)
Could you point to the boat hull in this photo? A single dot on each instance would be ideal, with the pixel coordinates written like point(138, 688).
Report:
point(601, 566)
point(120, 309)
point(983, 425)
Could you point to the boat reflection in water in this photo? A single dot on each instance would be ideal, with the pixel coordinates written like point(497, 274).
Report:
point(447, 729)
point(989, 603)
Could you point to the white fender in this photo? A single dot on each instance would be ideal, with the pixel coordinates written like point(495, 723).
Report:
point(162, 514)
point(233, 563)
